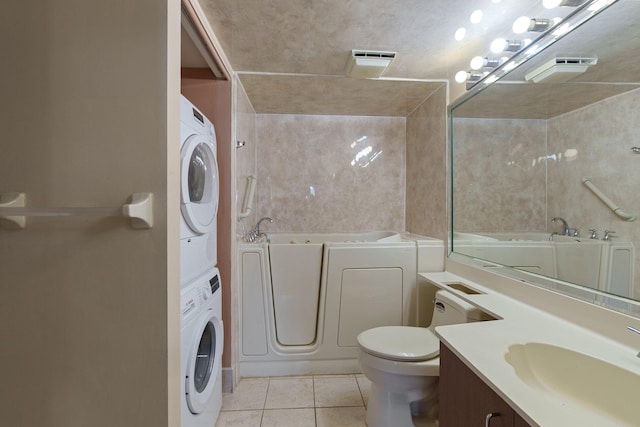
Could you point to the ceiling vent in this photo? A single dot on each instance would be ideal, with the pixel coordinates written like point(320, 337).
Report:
point(368, 64)
point(560, 69)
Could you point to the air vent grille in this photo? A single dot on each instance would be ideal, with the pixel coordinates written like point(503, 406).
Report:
point(368, 64)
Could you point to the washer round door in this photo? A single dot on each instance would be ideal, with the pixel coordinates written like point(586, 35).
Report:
point(199, 184)
point(203, 363)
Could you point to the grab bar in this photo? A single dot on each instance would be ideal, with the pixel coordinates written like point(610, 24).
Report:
point(247, 205)
point(607, 201)
point(140, 210)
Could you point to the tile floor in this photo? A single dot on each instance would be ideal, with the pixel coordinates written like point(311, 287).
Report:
point(309, 401)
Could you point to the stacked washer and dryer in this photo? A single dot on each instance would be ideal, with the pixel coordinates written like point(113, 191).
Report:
point(201, 331)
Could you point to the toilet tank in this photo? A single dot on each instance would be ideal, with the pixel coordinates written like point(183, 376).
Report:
point(449, 310)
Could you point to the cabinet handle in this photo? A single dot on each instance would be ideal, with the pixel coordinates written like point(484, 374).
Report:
point(487, 420)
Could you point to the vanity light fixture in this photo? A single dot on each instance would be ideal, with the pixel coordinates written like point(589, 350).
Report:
point(468, 76)
point(524, 24)
point(502, 45)
point(478, 62)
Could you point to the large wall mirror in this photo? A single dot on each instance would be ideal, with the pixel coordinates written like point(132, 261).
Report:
point(546, 162)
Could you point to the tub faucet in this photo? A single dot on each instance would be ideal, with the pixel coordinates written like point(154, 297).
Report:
point(565, 227)
point(254, 234)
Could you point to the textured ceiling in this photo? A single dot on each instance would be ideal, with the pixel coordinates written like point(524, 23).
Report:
point(285, 48)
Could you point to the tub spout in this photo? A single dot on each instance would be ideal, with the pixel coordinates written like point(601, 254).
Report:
point(254, 234)
point(565, 227)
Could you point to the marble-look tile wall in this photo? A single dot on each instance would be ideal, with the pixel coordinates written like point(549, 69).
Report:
point(426, 200)
point(246, 156)
point(499, 175)
point(596, 141)
point(317, 174)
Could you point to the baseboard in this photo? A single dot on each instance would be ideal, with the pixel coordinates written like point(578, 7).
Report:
point(227, 380)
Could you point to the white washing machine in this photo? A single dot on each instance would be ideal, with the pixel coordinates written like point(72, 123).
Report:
point(199, 188)
point(201, 345)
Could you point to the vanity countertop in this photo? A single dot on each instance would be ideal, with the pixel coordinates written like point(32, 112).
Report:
point(482, 346)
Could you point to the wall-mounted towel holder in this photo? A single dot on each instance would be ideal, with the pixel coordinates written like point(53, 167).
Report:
point(607, 201)
point(14, 212)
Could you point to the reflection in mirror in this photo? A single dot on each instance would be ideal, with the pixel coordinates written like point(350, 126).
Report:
point(522, 152)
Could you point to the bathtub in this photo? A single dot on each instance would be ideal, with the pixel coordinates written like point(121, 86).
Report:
point(604, 265)
point(304, 297)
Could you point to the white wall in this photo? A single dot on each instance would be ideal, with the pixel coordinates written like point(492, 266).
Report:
point(88, 306)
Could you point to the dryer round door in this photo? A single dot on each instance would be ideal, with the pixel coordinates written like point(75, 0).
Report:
point(204, 361)
point(199, 184)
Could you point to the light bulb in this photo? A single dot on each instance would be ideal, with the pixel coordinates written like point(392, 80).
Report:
point(477, 63)
point(510, 66)
point(498, 45)
point(563, 29)
point(476, 16)
point(460, 34)
point(521, 25)
point(461, 76)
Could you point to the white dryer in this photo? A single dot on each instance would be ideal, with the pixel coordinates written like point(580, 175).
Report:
point(201, 345)
point(199, 189)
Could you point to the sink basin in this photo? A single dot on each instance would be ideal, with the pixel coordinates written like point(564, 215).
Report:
point(575, 379)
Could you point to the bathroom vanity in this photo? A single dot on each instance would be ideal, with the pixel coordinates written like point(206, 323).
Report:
point(465, 400)
point(550, 362)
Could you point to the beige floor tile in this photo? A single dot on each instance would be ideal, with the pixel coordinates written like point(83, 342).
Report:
point(290, 393)
point(249, 394)
point(365, 385)
point(336, 390)
point(239, 419)
point(341, 417)
point(305, 417)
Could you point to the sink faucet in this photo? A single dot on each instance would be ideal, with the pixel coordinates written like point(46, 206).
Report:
point(565, 227)
point(254, 234)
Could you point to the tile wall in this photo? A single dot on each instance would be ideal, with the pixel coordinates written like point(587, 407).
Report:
point(515, 175)
point(245, 117)
point(499, 175)
point(426, 198)
point(331, 173)
point(596, 141)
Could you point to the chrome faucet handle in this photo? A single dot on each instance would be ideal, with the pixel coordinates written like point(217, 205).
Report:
point(574, 232)
point(608, 234)
point(594, 233)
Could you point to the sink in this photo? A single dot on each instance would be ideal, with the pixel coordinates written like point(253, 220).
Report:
point(572, 378)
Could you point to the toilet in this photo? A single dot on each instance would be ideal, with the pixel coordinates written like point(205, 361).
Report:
point(403, 364)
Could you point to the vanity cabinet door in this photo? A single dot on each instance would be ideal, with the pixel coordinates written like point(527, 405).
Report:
point(465, 400)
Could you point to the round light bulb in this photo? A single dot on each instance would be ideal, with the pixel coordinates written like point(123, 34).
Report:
point(476, 63)
point(498, 45)
point(461, 76)
point(551, 4)
point(476, 16)
point(521, 25)
point(460, 34)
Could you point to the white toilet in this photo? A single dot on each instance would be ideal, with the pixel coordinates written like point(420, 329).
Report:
point(403, 364)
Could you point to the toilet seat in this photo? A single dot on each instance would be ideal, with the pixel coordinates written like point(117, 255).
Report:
point(400, 343)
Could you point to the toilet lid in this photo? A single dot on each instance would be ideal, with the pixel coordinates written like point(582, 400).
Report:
point(400, 343)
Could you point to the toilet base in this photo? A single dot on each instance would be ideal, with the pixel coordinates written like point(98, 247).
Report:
point(393, 409)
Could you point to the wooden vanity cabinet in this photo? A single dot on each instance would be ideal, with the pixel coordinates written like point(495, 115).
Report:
point(466, 401)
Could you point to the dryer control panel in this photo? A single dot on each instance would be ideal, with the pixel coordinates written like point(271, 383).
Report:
point(193, 298)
